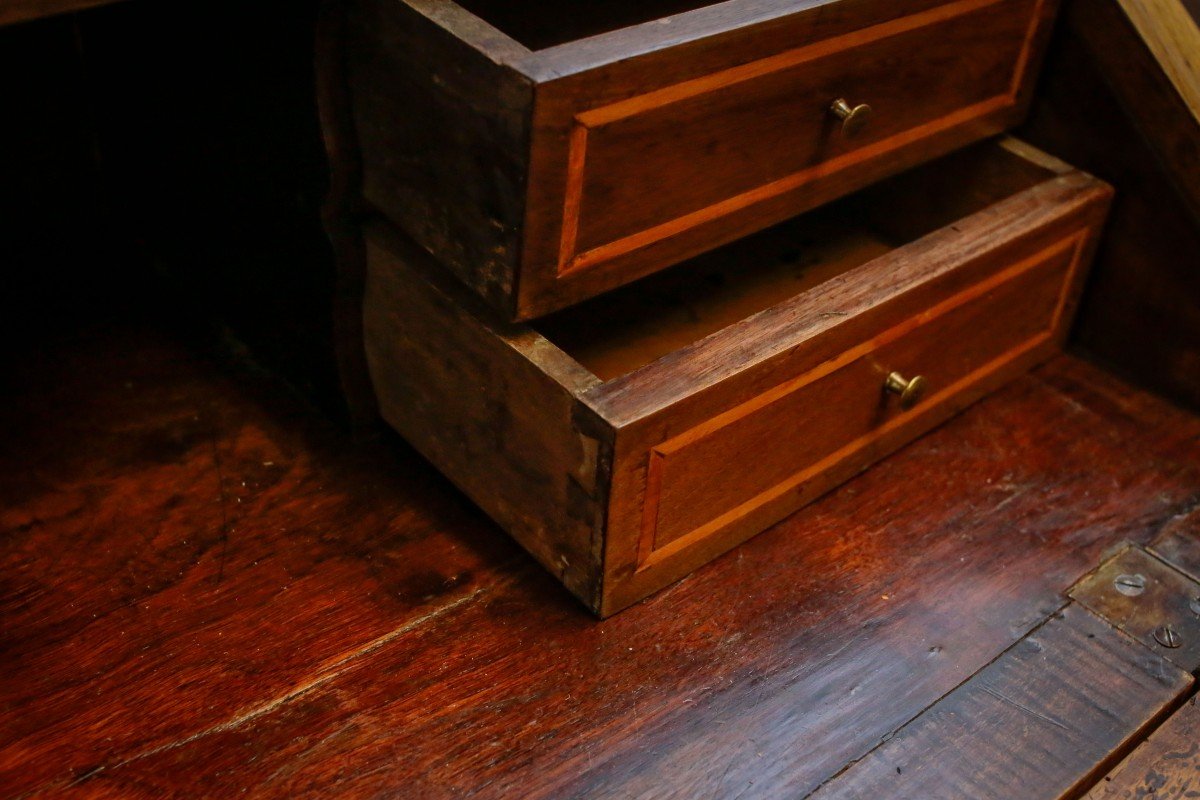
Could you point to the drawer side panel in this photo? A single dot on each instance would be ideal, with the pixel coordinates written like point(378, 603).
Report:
point(494, 409)
point(443, 132)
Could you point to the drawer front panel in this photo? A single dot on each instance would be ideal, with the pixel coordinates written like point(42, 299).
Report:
point(709, 478)
point(653, 166)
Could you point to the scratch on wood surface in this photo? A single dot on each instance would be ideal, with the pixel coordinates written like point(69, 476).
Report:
point(1006, 699)
point(1015, 491)
point(324, 674)
point(1067, 400)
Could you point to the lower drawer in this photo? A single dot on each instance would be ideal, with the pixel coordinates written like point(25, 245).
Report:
point(628, 440)
point(773, 445)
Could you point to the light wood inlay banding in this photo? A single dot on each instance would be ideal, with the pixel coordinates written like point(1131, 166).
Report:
point(577, 253)
point(653, 548)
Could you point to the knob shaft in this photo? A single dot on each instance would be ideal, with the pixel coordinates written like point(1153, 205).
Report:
point(854, 118)
point(910, 390)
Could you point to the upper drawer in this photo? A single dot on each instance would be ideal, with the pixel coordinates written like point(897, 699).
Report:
point(548, 155)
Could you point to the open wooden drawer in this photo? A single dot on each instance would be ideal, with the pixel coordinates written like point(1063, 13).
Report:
point(547, 154)
point(626, 441)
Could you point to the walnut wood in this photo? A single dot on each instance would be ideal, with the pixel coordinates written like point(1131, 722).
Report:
point(732, 151)
point(784, 437)
point(444, 134)
point(527, 172)
point(344, 624)
point(494, 409)
point(1136, 132)
point(1165, 765)
point(183, 539)
point(1038, 723)
point(1179, 543)
point(689, 393)
point(622, 485)
point(735, 131)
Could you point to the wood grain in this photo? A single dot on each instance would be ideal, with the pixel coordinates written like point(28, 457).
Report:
point(560, 24)
point(765, 674)
point(1179, 542)
point(790, 434)
point(710, 126)
point(1038, 723)
point(946, 249)
point(443, 130)
point(495, 409)
point(1139, 314)
point(526, 172)
point(657, 164)
point(687, 392)
point(1167, 765)
point(621, 486)
point(1173, 36)
point(185, 543)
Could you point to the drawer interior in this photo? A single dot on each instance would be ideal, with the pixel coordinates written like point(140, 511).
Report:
point(552, 24)
point(617, 333)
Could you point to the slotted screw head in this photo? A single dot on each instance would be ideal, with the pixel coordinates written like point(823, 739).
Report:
point(1130, 585)
point(1195, 606)
point(1167, 636)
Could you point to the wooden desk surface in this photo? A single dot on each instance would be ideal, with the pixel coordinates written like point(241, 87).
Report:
point(206, 590)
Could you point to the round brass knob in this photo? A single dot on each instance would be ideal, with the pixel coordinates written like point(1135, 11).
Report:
point(911, 391)
point(854, 118)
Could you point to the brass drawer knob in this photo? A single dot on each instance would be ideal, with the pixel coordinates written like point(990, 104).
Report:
point(910, 391)
point(854, 118)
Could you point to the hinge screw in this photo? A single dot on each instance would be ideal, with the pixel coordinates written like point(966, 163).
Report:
point(1130, 585)
point(1167, 637)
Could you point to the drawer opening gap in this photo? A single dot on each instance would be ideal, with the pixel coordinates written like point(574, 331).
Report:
point(615, 334)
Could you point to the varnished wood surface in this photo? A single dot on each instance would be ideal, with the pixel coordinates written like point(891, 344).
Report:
point(660, 163)
point(782, 438)
point(714, 186)
point(1036, 723)
point(1140, 314)
point(1170, 30)
point(1166, 766)
point(622, 487)
point(444, 135)
point(1179, 543)
point(534, 188)
point(207, 591)
point(494, 409)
